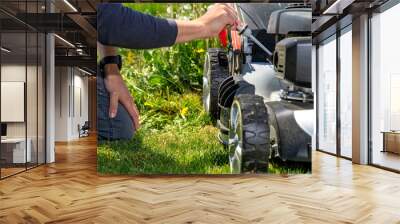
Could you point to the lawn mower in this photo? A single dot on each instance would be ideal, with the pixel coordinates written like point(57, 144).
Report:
point(258, 87)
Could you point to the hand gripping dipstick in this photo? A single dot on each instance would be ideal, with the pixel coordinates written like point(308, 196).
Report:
point(245, 31)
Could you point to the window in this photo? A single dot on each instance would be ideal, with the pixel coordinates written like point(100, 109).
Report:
point(327, 96)
point(385, 88)
point(22, 77)
point(346, 93)
point(15, 146)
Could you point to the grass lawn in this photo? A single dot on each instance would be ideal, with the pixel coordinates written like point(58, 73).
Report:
point(189, 150)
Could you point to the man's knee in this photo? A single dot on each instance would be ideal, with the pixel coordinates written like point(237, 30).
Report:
point(123, 124)
point(118, 128)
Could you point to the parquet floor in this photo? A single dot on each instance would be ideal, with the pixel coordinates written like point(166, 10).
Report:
point(10, 171)
point(70, 191)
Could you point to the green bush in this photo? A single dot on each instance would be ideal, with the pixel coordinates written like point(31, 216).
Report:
point(166, 83)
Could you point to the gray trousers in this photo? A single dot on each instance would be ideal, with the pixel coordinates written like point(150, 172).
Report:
point(110, 129)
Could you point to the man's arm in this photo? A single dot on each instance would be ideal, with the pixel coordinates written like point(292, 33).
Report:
point(120, 26)
point(105, 51)
point(217, 17)
point(116, 87)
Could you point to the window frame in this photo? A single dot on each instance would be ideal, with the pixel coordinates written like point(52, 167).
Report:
point(31, 30)
point(333, 37)
point(378, 10)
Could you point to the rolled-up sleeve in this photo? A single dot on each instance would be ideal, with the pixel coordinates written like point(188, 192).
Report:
point(120, 26)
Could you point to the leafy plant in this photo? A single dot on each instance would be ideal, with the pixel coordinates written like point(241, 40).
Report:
point(166, 83)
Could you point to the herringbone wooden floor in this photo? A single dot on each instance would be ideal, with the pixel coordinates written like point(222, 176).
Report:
point(70, 191)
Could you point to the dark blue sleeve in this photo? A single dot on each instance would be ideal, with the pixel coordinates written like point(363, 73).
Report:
point(120, 26)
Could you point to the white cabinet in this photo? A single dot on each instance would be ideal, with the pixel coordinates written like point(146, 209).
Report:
point(19, 155)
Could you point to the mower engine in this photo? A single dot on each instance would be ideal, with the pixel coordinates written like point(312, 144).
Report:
point(293, 124)
point(259, 91)
point(292, 60)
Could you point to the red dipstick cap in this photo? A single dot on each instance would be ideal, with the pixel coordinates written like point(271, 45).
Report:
point(223, 37)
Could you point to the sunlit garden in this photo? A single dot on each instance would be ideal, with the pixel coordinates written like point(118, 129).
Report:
point(176, 135)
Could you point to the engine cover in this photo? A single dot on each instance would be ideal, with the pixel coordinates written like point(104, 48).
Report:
point(292, 60)
point(286, 21)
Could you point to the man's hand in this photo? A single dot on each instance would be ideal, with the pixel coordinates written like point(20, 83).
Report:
point(217, 18)
point(119, 93)
point(210, 24)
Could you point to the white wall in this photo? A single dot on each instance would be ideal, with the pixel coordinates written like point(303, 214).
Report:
point(71, 94)
point(16, 73)
point(13, 101)
point(33, 126)
point(61, 103)
point(13, 72)
point(10, 73)
point(80, 111)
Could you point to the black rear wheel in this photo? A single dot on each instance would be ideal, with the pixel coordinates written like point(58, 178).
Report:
point(249, 135)
point(215, 71)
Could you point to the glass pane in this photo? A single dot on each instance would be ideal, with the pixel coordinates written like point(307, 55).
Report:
point(80, 105)
point(346, 94)
point(327, 96)
point(385, 84)
point(314, 78)
point(41, 99)
point(13, 86)
point(32, 97)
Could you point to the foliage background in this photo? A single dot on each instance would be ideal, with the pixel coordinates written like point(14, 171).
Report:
point(166, 83)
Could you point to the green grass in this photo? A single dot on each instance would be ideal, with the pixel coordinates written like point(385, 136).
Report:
point(190, 150)
point(276, 166)
point(176, 137)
